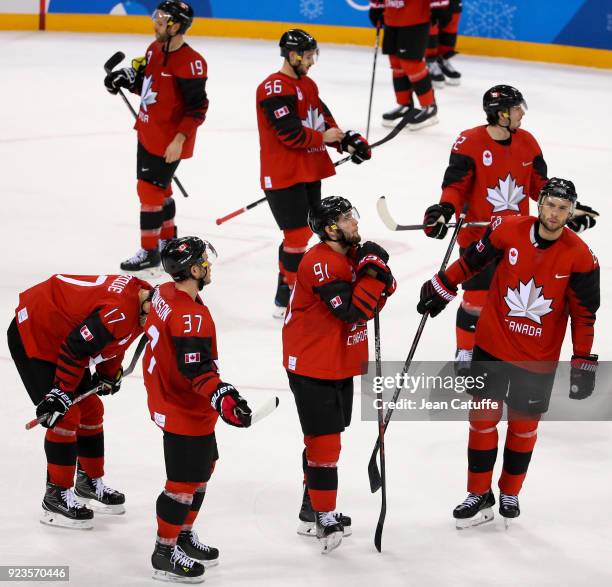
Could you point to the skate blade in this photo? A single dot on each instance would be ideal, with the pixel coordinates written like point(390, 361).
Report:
point(308, 529)
point(59, 521)
point(172, 578)
point(209, 563)
point(429, 122)
point(452, 82)
point(330, 542)
point(150, 272)
point(101, 508)
point(390, 123)
point(507, 522)
point(482, 517)
point(438, 85)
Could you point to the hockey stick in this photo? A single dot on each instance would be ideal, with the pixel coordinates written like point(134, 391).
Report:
point(391, 224)
point(373, 472)
point(139, 348)
point(240, 211)
point(381, 436)
point(111, 63)
point(376, 45)
point(264, 410)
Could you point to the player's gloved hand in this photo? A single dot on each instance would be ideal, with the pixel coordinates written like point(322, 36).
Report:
point(435, 295)
point(232, 408)
point(110, 385)
point(438, 214)
point(54, 405)
point(584, 217)
point(355, 144)
point(371, 248)
point(582, 376)
point(120, 78)
point(376, 14)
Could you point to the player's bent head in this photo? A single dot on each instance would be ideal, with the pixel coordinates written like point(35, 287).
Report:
point(189, 257)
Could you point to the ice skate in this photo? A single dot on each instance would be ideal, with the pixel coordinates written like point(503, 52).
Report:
point(463, 362)
point(189, 542)
point(329, 531)
point(170, 563)
point(475, 510)
point(508, 507)
point(451, 75)
point(147, 261)
point(307, 527)
point(392, 117)
point(99, 497)
point(61, 508)
point(422, 118)
point(435, 73)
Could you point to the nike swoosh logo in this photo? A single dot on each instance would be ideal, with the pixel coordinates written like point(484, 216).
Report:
point(560, 276)
point(144, 169)
point(170, 75)
point(533, 401)
point(524, 164)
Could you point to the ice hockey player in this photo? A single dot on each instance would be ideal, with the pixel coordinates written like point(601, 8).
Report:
point(185, 398)
point(171, 80)
point(445, 17)
point(406, 24)
point(543, 274)
point(495, 169)
point(325, 343)
point(61, 326)
point(295, 128)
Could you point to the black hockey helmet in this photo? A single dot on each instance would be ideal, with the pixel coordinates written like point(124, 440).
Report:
point(179, 12)
point(559, 188)
point(296, 40)
point(501, 98)
point(327, 212)
point(181, 254)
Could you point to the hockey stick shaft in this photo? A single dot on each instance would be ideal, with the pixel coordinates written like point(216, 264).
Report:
point(373, 472)
point(239, 211)
point(111, 63)
point(381, 437)
point(264, 410)
point(139, 348)
point(376, 46)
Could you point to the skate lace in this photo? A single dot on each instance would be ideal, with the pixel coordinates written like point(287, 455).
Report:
point(471, 500)
point(434, 68)
point(195, 541)
point(70, 499)
point(508, 500)
point(139, 256)
point(180, 558)
point(328, 518)
point(464, 356)
point(101, 489)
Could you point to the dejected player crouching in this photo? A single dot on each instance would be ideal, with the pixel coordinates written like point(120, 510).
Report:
point(339, 284)
point(544, 274)
point(185, 398)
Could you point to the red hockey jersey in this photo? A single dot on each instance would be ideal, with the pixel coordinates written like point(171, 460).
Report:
point(292, 119)
point(495, 179)
point(406, 12)
point(72, 320)
point(180, 363)
point(325, 334)
point(172, 98)
point(537, 285)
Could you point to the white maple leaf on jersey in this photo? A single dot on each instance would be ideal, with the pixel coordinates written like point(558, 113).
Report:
point(314, 120)
point(147, 96)
point(526, 301)
point(506, 195)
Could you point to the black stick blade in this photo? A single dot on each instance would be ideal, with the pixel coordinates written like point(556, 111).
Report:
point(113, 61)
point(373, 473)
point(378, 534)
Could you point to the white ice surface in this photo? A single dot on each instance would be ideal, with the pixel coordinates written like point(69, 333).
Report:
point(67, 156)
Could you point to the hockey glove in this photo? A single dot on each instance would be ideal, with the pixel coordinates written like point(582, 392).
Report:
point(438, 214)
point(121, 78)
point(357, 146)
point(110, 385)
point(582, 376)
point(376, 14)
point(232, 408)
point(54, 405)
point(584, 217)
point(435, 295)
point(371, 248)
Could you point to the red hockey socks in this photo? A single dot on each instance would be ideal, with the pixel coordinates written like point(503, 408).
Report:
point(322, 454)
point(401, 84)
point(482, 448)
point(172, 508)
